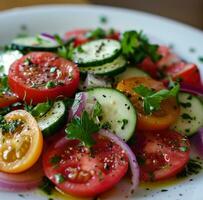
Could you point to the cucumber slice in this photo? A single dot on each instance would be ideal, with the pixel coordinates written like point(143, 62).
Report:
point(34, 44)
point(7, 58)
point(97, 52)
point(109, 69)
point(53, 119)
point(117, 111)
point(191, 116)
point(129, 73)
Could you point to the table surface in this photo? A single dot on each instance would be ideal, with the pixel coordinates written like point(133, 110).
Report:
point(7, 4)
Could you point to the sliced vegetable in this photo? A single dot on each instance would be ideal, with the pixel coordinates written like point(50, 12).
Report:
point(97, 52)
point(54, 119)
point(32, 77)
point(27, 180)
point(129, 73)
point(37, 43)
point(191, 115)
point(198, 141)
point(7, 58)
point(131, 157)
point(118, 114)
point(85, 173)
point(160, 154)
point(158, 120)
point(23, 144)
point(109, 69)
point(93, 81)
point(192, 89)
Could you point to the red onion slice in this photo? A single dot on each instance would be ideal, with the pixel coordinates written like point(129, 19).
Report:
point(131, 156)
point(23, 181)
point(191, 89)
point(198, 141)
point(78, 105)
point(48, 36)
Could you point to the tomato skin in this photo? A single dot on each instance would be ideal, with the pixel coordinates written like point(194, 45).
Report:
point(187, 73)
point(79, 36)
point(160, 154)
point(8, 99)
point(158, 120)
point(20, 84)
point(86, 174)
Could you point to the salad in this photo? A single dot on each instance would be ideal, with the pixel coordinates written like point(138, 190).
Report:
point(78, 112)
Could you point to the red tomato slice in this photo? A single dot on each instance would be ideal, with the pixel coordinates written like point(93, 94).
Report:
point(162, 154)
point(188, 73)
point(85, 173)
point(28, 77)
point(167, 59)
point(8, 99)
point(79, 36)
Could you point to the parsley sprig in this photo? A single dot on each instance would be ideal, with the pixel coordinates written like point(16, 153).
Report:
point(152, 99)
point(82, 129)
point(136, 47)
point(4, 88)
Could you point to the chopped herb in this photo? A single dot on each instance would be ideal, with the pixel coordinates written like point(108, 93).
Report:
point(106, 125)
point(28, 108)
point(27, 61)
point(98, 33)
point(59, 178)
point(186, 116)
point(4, 87)
point(47, 186)
point(82, 129)
point(184, 148)
point(192, 50)
point(5, 110)
point(152, 99)
point(41, 108)
point(21, 195)
point(58, 39)
point(200, 59)
point(52, 69)
point(164, 190)
point(55, 159)
point(39, 39)
point(80, 49)
point(50, 84)
point(136, 47)
point(185, 105)
point(9, 126)
point(103, 19)
point(97, 110)
point(193, 167)
point(124, 123)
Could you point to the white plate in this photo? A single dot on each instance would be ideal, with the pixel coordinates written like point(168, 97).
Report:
point(60, 18)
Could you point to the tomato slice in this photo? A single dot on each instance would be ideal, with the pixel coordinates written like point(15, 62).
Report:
point(162, 154)
point(79, 36)
point(20, 144)
point(158, 120)
point(84, 172)
point(188, 73)
point(29, 77)
point(8, 99)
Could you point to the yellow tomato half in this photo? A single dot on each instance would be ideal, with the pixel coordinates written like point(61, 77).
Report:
point(21, 144)
point(158, 120)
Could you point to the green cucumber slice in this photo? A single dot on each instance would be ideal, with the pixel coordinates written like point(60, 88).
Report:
point(97, 52)
point(117, 111)
point(191, 115)
point(109, 69)
point(54, 119)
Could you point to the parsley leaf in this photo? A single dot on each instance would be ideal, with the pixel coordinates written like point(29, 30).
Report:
point(4, 84)
point(136, 47)
point(152, 99)
point(82, 129)
point(97, 110)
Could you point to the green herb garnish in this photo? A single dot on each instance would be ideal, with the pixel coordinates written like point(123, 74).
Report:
point(201, 59)
point(47, 186)
point(136, 47)
point(97, 110)
point(55, 159)
point(59, 178)
point(82, 129)
point(97, 33)
point(4, 87)
point(152, 99)
point(9, 126)
point(50, 84)
point(41, 108)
